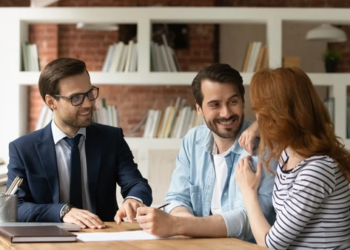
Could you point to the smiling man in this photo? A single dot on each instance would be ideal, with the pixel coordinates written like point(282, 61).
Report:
point(71, 167)
point(205, 199)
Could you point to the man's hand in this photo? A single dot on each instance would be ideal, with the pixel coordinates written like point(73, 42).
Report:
point(246, 140)
point(128, 209)
point(83, 218)
point(157, 222)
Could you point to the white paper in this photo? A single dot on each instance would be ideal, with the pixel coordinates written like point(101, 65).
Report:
point(131, 235)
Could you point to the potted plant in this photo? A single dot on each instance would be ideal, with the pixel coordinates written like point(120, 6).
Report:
point(331, 59)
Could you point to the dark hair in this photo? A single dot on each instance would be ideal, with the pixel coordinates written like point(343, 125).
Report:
point(55, 71)
point(221, 73)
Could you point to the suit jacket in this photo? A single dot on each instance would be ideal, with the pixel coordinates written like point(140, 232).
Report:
point(109, 161)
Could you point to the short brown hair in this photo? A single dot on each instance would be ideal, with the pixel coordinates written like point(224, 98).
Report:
point(221, 73)
point(55, 71)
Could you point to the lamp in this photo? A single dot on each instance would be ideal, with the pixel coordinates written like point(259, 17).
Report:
point(326, 33)
point(97, 26)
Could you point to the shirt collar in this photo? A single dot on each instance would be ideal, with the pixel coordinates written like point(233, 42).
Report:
point(207, 140)
point(59, 135)
point(215, 151)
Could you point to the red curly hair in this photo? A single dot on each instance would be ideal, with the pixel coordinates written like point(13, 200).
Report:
point(291, 114)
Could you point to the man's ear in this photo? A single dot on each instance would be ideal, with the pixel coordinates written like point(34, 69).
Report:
point(199, 110)
point(51, 102)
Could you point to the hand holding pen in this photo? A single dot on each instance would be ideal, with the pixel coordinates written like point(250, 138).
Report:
point(162, 206)
point(157, 222)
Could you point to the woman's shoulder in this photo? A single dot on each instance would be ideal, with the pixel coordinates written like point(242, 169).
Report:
point(318, 171)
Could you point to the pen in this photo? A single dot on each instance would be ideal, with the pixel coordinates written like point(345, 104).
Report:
point(164, 205)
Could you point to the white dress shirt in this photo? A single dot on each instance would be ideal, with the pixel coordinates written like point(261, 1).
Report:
point(63, 163)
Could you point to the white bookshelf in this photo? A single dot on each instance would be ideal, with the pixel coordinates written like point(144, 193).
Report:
point(14, 30)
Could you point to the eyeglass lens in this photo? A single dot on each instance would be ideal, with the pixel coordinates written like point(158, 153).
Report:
point(79, 99)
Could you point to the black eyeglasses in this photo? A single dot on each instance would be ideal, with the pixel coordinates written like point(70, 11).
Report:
point(78, 99)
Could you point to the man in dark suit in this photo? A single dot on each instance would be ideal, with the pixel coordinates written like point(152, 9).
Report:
point(71, 167)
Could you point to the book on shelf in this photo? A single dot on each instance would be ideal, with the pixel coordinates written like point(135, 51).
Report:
point(36, 234)
point(107, 62)
point(128, 56)
point(121, 57)
point(163, 57)
point(149, 121)
point(30, 57)
point(247, 56)
point(133, 63)
point(105, 114)
point(253, 56)
point(256, 57)
point(169, 54)
point(172, 122)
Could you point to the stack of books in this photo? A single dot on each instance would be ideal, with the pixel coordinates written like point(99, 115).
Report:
point(257, 57)
point(105, 114)
point(163, 57)
point(30, 57)
point(121, 57)
point(173, 122)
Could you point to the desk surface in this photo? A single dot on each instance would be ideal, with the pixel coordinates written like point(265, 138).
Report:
point(175, 244)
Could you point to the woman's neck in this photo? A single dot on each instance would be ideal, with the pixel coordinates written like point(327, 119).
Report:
point(294, 159)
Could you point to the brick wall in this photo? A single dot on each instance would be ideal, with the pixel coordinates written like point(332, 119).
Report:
point(46, 38)
point(14, 3)
point(91, 46)
point(132, 102)
point(87, 45)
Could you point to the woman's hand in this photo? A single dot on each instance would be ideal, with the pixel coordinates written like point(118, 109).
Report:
point(247, 181)
point(246, 140)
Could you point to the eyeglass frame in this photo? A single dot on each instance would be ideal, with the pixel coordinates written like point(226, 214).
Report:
point(84, 95)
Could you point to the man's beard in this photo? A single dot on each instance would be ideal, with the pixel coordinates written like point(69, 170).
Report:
point(230, 132)
point(79, 124)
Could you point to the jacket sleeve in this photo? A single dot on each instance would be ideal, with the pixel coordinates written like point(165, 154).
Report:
point(28, 210)
point(129, 177)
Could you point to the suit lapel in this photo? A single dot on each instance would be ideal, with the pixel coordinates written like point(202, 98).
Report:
point(46, 150)
point(93, 151)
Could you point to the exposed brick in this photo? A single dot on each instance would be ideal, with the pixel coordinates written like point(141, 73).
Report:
point(133, 102)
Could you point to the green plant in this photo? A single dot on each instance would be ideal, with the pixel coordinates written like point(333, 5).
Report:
point(331, 55)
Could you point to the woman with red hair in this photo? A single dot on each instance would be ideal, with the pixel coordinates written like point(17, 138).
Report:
point(311, 194)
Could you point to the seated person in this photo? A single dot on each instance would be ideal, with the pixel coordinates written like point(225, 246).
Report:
point(71, 167)
point(205, 200)
point(311, 194)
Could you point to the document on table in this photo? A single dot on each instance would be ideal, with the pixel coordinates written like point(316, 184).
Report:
point(119, 236)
